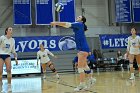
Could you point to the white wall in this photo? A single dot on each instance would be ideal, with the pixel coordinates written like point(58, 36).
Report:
point(95, 31)
point(6, 15)
point(97, 12)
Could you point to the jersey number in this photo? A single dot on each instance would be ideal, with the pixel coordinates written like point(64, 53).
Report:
point(7, 46)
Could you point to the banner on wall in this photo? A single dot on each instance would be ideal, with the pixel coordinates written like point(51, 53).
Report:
point(68, 14)
point(24, 67)
point(113, 41)
point(53, 43)
point(136, 10)
point(22, 12)
point(123, 11)
point(44, 12)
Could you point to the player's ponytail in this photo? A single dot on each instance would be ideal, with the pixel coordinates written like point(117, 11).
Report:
point(6, 30)
point(84, 21)
point(85, 27)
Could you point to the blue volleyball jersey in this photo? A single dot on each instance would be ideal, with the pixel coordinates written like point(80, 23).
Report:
point(75, 60)
point(91, 58)
point(80, 39)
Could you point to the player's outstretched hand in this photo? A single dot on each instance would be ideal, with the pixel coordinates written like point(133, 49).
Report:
point(37, 63)
point(16, 61)
point(53, 23)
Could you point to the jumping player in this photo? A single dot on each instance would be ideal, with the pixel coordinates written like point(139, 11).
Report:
point(79, 29)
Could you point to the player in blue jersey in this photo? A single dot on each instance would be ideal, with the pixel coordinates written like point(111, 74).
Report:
point(79, 29)
point(91, 61)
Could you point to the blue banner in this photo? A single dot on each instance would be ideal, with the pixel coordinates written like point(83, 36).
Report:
point(113, 41)
point(53, 43)
point(22, 12)
point(123, 11)
point(68, 14)
point(44, 12)
point(136, 10)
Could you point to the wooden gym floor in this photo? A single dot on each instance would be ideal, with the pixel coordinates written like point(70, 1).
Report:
point(107, 82)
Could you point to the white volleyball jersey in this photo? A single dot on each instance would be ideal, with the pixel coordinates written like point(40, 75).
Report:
point(43, 55)
point(132, 42)
point(7, 46)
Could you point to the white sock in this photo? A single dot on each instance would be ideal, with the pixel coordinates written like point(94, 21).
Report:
point(132, 74)
point(57, 75)
point(82, 83)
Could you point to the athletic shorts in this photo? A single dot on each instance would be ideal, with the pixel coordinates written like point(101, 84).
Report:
point(44, 62)
point(4, 56)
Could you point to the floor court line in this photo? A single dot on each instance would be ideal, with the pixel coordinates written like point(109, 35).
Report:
point(68, 85)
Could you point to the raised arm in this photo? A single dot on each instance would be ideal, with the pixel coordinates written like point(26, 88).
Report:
point(50, 53)
point(63, 24)
point(0, 40)
point(128, 46)
point(14, 52)
point(37, 57)
point(139, 42)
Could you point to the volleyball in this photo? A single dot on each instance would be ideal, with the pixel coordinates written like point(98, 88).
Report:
point(59, 7)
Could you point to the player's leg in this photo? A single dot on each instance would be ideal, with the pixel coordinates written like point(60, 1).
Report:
point(44, 66)
point(91, 65)
point(82, 62)
point(52, 68)
point(138, 62)
point(131, 59)
point(90, 79)
point(8, 69)
point(1, 71)
point(76, 67)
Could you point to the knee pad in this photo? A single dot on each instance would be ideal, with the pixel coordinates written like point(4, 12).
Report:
point(87, 68)
point(53, 70)
point(52, 67)
point(131, 64)
point(81, 70)
point(9, 75)
point(88, 72)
